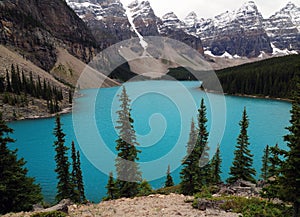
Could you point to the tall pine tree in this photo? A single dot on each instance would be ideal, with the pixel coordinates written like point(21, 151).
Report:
point(80, 184)
point(169, 181)
point(18, 192)
point(187, 173)
point(290, 179)
point(203, 176)
point(128, 173)
point(242, 164)
point(216, 167)
point(196, 169)
point(265, 164)
point(64, 186)
point(75, 196)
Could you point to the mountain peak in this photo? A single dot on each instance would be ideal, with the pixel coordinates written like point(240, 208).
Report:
point(290, 5)
point(170, 16)
point(249, 7)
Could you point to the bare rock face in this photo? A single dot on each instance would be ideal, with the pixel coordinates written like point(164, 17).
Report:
point(36, 27)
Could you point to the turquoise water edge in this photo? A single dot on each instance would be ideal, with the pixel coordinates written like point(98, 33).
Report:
point(162, 112)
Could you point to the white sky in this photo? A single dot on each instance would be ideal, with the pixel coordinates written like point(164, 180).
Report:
point(211, 8)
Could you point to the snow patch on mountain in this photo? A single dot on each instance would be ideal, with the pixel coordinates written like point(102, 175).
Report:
point(277, 51)
point(130, 15)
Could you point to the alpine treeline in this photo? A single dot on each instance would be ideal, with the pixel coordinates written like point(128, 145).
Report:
point(16, 87)
point(272, 77)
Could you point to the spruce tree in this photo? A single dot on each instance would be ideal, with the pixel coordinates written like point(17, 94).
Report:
point(145, 188)
point(196, 169)
point(80, 184)
point(169, 181)
point(18, 191)
point(111, 188)
point(187, 174)
point(272, 187)
point(128, 173)
point(64, 186)
point(75, 193)
point(242, 164)
point(290, 179)
point(216, 167)
point(202, 150)
point(265, 164)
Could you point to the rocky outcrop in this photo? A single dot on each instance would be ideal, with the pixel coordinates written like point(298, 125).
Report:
point(36, 27)
point(240, 188)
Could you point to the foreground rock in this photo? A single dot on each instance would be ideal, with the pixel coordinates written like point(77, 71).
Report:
point(152, 205)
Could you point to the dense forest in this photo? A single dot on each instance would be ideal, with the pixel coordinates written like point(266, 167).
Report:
point(272, 77)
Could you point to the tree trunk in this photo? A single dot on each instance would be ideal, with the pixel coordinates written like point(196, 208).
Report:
point(296, 209)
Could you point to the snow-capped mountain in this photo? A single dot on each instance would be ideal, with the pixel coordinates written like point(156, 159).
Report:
point(283, 27)
point(239, 33)
point(143, 18)
point(112, 22)
point(106, 18)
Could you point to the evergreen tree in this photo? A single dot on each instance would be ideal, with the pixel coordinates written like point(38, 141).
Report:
point(271, 189)
point(80, 185)
point(242, 164)
point(216, 167)
point(196, 169)
point(145, 188)
point(202, 150)
point(64, 186)
point(169, 181)
point(187, 173)
point(75, 193)
point(265, 164)
point(18, 191)
point(290, 179)
point(111, 188)
point(128, 173)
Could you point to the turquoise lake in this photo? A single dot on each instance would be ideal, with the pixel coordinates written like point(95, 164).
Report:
point(162, 111)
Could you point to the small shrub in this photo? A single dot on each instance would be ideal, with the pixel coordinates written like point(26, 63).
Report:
point(49, 214)
point(168, 190)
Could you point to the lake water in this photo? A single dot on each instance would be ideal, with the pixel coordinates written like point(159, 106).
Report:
point(162, 111)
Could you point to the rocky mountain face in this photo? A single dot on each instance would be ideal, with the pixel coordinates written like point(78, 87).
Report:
point(112, 22)
point(283, 27)
point(171, 26)
point(107, 20)
point(36, 27)
point(238, 32)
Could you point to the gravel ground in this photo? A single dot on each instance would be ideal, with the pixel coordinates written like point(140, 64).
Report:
point(152, 205)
